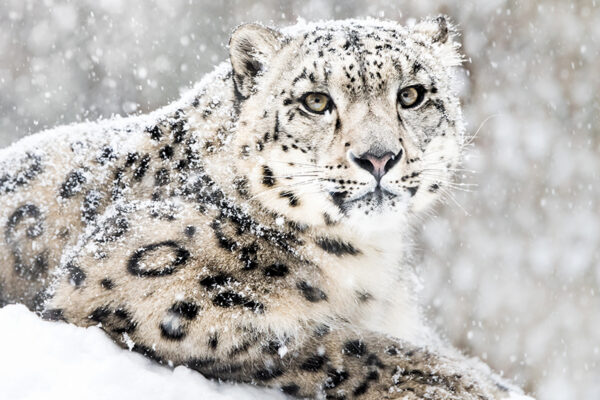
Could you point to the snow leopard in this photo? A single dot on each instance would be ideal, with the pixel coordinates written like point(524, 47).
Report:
point(258, 229)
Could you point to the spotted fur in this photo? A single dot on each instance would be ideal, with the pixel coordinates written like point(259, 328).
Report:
point(245, 236)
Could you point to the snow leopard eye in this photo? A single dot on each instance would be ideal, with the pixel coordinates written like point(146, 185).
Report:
point(411, 96)
point(316, 102)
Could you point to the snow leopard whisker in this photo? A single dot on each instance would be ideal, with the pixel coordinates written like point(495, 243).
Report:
point(471, 139)
point(291, 176)
point(448, 194)
point(293, 164)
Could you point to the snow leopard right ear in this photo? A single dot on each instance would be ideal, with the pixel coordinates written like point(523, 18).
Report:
point(250, 48)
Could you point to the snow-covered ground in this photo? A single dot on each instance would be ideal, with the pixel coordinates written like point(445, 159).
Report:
point(57, 361)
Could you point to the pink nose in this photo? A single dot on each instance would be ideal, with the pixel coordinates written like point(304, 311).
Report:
point(378, 166)
point(378, 163)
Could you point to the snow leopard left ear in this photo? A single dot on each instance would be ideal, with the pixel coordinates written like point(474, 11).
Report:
point(441, 33)
point(251, 47)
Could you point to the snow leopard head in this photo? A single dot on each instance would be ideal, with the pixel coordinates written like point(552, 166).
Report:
point(350, 121)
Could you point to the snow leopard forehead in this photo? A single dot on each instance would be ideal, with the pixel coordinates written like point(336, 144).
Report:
point(426, 40)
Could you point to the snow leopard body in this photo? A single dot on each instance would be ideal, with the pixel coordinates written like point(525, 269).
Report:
point(243, 235)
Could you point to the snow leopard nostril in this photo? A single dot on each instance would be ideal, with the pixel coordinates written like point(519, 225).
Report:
point(377, 166)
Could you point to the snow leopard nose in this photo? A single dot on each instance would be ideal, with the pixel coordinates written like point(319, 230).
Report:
point(377, 165)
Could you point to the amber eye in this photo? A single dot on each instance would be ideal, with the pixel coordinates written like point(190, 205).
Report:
point(316, 102)
point(411, 96)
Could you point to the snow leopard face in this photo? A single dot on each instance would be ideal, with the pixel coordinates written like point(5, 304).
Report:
point(353, 122)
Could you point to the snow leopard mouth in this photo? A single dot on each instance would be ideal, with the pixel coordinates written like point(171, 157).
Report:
point(374, 198)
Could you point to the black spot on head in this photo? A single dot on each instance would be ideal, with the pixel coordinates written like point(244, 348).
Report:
point(131, 159)
point(185, 309)
point(276, 270)
point(433, 188)
point(311, 293)
point(166, 152)
point(268, 178)
point(73, 184)
point(416, 67)
point(356, 348)
point(336, 246)
point(135, 266)
point(107, 284)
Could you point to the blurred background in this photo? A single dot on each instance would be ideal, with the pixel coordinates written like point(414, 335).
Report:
point(510, 269)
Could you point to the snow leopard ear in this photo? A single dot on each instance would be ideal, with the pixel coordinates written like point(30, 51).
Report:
point(441, 33)
point(250, 48)
point(437, 29)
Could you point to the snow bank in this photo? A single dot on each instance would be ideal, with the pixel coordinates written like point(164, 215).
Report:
point(49, 360)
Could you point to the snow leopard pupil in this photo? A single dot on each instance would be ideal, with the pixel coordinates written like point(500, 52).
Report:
point(316, 102)
point(411, 96)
